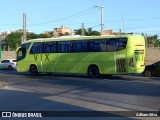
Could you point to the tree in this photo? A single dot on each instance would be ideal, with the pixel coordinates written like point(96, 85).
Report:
point(42, 36)
point(31, 36)
point(88, 32)
point(79, 32)
point(153, 41)
point(66, 33)
point(34, 36)
point(13, 39)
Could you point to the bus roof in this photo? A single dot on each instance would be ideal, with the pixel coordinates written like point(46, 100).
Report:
point(77, 37)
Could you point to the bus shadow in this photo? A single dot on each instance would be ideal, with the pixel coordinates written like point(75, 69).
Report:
point(120, 87)
point(122, 84)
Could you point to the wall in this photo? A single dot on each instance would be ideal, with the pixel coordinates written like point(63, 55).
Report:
point(8, 54)
point(152, 55)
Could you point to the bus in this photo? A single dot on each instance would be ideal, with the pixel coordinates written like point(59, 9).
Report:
point(91, 55)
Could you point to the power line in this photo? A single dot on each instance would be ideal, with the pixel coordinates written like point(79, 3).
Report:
point(45, 23)
point(71, 16)
point(143, 27)
point(136, 19)
point(143, 19)
point(95, 26)
point(138, 27)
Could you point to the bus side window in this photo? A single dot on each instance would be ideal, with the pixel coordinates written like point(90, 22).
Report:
point(37, 48)
point(50, 47)
point(95, 46)
point(60, 45)
point(122, 42)
point(112, 45)
point(80, 46)
point(68, 47)
point(64, 47)
point(103, 46)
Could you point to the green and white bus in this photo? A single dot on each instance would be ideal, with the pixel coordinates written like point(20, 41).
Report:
point(93, 55)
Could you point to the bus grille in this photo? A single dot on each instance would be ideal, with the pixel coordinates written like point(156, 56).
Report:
point(121, 65)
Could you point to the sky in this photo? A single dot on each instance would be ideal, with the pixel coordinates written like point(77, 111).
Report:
point(139, 16)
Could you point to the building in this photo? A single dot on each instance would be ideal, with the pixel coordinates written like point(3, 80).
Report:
point(49, 33)
point(3, 36)
point(62, 31)
point(109, 32)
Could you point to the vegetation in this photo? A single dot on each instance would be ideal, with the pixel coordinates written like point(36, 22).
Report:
point(153, 41)
point(14, 38)
point(34, 36)
point(88, 32)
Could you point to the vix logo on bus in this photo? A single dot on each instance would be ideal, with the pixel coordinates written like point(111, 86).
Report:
point(41, 57)
point(139, 57)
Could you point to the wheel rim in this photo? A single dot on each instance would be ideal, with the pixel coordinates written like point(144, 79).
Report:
point(148, 73)
point(93, 72)
point(34, 71)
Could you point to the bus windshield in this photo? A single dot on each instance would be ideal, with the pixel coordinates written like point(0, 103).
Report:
point(21, 53)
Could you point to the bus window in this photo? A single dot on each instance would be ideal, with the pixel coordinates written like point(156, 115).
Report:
point(69, 47)
point(65, 47)
point(112, 45)
point(80, 46)
point(50, 47)
point(103, 46)
point(95, 46)
point(37, 48)
point(26, 46)
point(122, 42)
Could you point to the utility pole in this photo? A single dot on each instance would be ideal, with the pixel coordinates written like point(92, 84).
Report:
point(102, 25)
point(24, 27)
point(82, 29)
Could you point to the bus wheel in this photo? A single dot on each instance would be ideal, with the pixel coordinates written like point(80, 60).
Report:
point(33, 70)
point(147, 73)
point(93, 71)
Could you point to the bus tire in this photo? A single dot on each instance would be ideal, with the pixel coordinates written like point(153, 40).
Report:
point(93, 71)
point(33, 70)
point(147, 73)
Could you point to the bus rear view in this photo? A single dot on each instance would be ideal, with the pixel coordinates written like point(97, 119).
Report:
point(136, 54)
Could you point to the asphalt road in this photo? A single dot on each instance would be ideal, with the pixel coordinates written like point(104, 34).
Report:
point(23, 92)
